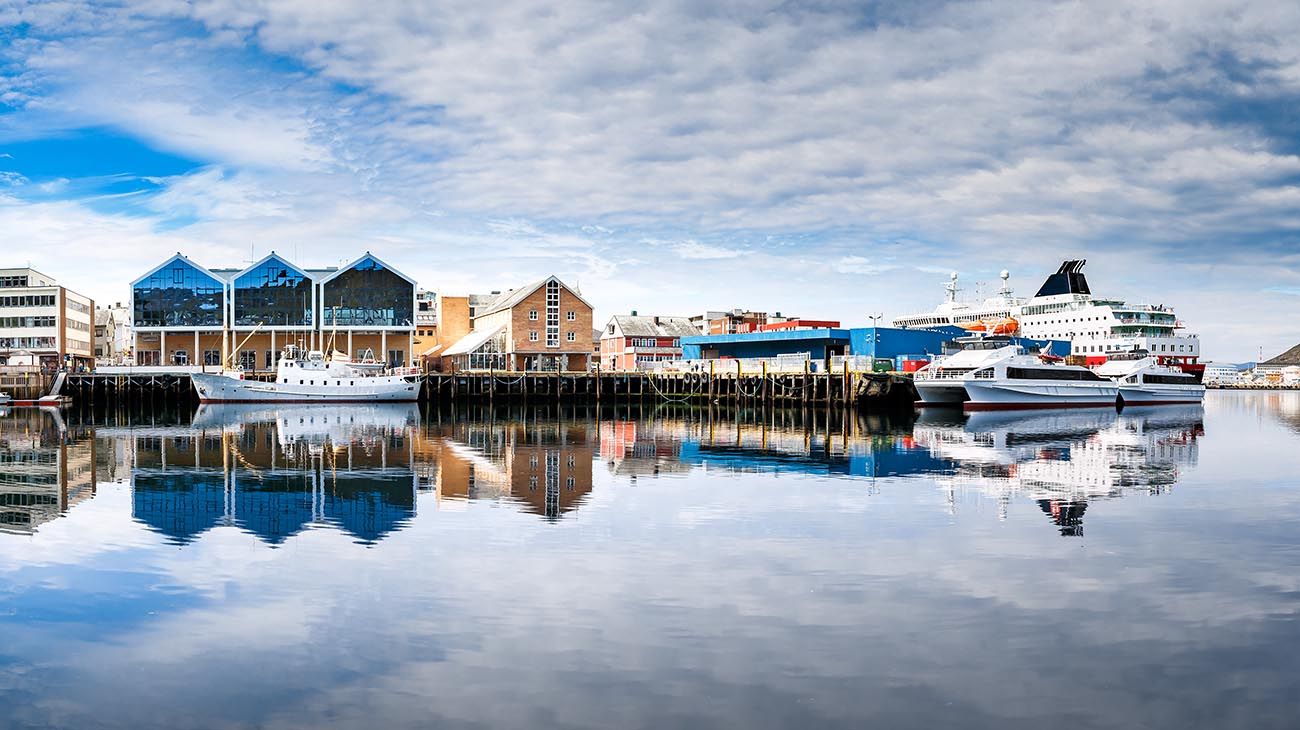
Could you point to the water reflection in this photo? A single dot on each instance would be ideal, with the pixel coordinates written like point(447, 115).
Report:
point(276, 471)
point(45, 469)
point(1063, 459)
point(334, 568)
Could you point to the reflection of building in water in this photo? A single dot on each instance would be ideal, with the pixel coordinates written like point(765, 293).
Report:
point(749, 447)
point(1063, 459)
point(632, 448)
point(273, 472)
point(544, 466)
point(45, 469)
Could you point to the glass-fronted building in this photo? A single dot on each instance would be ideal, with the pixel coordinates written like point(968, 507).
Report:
point(189, 316)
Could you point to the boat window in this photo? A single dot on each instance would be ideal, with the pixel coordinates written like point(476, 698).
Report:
point(1170, 379)
point(1051, 373)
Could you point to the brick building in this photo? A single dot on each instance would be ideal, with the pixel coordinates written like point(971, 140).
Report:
point(546, 325)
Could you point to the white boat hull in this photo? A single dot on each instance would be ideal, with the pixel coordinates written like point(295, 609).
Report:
point(225, 389)
point(1152, 395)
point(989, 395)
point(940, 392)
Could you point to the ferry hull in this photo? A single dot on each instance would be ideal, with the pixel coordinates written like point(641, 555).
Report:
point(1151, 396)
point(939, 393)
point(994, 395)
point(225, 389)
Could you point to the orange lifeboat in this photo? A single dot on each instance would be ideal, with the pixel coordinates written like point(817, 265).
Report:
point(1005, 326)
point(976, 326)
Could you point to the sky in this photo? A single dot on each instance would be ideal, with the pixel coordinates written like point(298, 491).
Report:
point(829, 160)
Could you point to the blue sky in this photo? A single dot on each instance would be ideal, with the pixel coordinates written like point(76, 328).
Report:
point(827, 159)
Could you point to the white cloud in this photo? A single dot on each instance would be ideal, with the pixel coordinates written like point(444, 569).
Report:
point(557, 140)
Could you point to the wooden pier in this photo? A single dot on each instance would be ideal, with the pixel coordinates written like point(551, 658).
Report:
point(826, 389)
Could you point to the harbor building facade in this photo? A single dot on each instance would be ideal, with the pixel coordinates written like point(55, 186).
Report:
point(43, 324)
point(546, 325)
point(188, 316)
point(632, 341)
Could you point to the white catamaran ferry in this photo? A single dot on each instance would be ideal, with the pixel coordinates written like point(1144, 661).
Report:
point(310, 378)
point(1143, 381)
point(1065, 309)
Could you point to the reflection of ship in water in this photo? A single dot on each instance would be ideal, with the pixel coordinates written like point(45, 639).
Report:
point(45, 469)
point(273, 472)
point(1064, 459)
point(542, 466)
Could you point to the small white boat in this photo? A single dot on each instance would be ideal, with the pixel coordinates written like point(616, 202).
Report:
point(1144, 381)
point(941, 383)
point(5, 399)
point(1034, 381)
point(310, 379)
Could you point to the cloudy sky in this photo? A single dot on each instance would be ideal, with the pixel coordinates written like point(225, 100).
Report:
point(833, 160)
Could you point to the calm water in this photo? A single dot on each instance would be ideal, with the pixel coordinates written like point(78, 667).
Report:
point(384, 568)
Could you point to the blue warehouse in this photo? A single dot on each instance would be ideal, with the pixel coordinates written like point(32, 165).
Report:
point(886, 343)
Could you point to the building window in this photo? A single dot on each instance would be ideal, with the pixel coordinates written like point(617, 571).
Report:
point(178, 295)
point(571, 316)
point(572, 337)
point(532, 336)
point(532, 314)
point(368, 295)
point(552, 313)
point(248, 359)
point(212, 358)
point(273, 293)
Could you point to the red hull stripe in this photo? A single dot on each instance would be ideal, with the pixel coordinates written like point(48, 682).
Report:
point(1034, 406)
point(1159, 402)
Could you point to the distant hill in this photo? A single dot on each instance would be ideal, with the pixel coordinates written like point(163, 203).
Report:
point(1290, 357)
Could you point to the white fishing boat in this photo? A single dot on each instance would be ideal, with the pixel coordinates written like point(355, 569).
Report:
point(310, 378)
point(1036, 381)
point(1144, 381)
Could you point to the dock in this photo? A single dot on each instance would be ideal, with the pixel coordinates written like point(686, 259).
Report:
point(856, 389)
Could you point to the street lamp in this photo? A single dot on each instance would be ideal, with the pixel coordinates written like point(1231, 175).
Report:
point(874, 319)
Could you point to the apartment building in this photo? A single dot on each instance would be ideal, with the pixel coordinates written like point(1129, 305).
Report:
point(42, 323)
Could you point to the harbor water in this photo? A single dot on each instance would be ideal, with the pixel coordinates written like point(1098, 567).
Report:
point(676, 567)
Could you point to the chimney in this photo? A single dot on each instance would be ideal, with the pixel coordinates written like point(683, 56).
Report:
point(633, 312)
point(656, 319)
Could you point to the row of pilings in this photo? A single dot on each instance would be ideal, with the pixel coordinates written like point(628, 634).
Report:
point(871, 391)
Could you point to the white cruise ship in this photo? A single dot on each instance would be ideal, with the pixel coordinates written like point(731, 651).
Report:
point(1065, 309)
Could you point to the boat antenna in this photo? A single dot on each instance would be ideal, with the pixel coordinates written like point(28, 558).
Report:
point(1005, 291)
point(951, 287)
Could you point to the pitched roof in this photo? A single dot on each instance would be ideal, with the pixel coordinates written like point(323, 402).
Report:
point(102, 316)
point(472, 341)
point(1290, 357)
point(649, 327)
point(515, 296)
